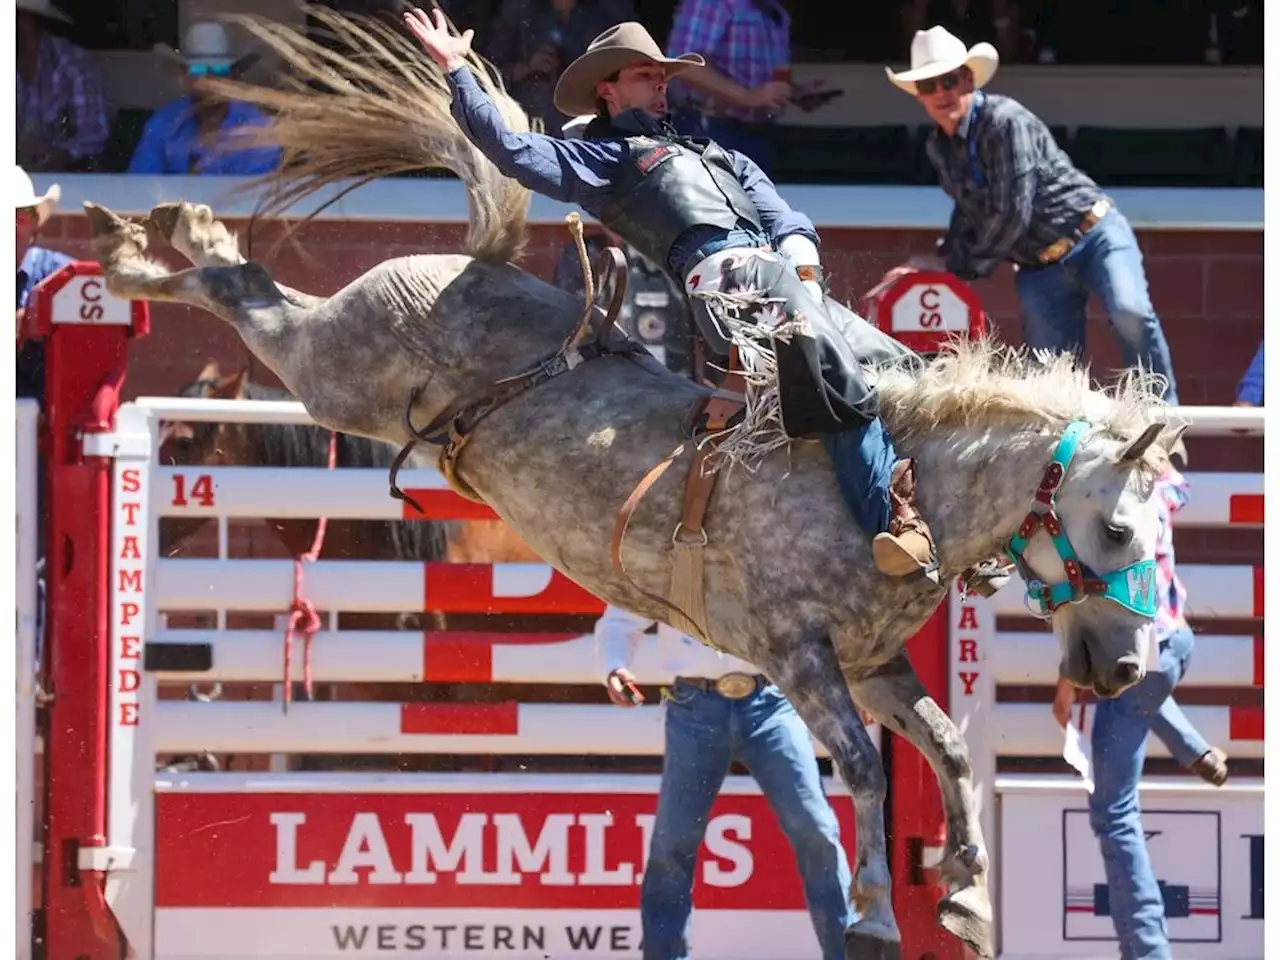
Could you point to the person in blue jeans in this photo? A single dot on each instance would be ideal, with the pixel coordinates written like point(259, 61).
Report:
point(1019, 198)
point(1118, 740)
point(720, 709)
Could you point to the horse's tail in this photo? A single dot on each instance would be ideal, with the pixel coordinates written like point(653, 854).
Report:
point(361, 101)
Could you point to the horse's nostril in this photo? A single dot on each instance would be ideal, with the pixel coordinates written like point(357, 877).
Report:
point(1126, 674)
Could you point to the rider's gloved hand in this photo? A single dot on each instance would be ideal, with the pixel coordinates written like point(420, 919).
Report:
point(802, 253)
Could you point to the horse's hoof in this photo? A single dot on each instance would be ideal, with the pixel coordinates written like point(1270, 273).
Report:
point(860, 946)
point(163, 220)
point(966, 915)
point(102, 222)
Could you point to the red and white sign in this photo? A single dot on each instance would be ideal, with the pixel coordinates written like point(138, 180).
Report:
point(364, 873)
point(924, 309)
point(1206, 850)
point(85, 300)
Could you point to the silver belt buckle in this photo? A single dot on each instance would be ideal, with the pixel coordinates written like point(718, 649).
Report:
point(735, 686)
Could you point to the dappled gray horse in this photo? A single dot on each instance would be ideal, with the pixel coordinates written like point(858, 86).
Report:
point(789, 581)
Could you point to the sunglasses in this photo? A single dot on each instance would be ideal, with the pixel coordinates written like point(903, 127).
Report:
point(948, 81)
point(209, 69)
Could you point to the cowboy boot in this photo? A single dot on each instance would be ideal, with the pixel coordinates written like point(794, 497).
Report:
point(907, 546)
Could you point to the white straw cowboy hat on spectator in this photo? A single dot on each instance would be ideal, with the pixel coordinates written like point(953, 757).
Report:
point(618, 47)
point(25, 196)
point(43, 8)
point(936, 52)
point(206, 48)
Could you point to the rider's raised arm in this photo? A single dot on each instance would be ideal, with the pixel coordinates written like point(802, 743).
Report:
point(573, 171)
point(776, 215)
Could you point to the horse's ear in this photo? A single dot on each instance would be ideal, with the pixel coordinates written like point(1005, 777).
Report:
point(211, 371)
point(231, 387)
point(1136, 449)
point(1171, 434)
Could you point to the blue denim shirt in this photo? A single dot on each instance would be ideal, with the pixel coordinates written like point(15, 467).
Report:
point(37, 263)
point(584, 172)
point(169, 145)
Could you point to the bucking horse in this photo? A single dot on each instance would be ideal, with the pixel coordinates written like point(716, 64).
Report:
point(556, 432)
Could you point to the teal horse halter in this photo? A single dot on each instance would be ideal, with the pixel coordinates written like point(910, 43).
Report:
point(1132, 587)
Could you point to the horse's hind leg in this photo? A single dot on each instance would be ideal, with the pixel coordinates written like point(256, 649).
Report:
point(809, 676)
point(192, 230)
point(242, 295)
point(895, 696)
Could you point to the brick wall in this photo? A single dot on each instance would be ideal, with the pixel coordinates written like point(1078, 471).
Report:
point(1207, 287)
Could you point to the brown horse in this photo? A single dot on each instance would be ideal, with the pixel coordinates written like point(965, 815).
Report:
point(281, 445)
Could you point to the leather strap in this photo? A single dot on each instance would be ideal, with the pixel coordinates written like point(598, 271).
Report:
point(716, 408)
point(611, 263)
point(462, 416)
point(623, 519)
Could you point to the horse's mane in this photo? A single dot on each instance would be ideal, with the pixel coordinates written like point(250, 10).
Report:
point(982, 382)
point(304, 445)
point(361, 101)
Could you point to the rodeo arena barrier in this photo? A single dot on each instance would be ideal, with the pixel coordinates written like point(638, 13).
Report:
point(133, 853)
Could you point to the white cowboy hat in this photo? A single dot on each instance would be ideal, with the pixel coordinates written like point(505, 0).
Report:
point(24, 195)
point(43, 8)
point(207, 43)
point(938, 51)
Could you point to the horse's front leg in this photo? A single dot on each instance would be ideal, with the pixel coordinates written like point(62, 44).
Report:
point(895, 696)
point(808, 674)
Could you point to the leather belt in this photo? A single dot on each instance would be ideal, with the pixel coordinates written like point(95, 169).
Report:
point(1060, 248)
point(732, 686)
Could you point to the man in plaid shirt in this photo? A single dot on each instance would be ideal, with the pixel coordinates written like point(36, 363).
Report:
point(1019, 198)
point(734, 94)
point(1118, 740)
point(61, 108)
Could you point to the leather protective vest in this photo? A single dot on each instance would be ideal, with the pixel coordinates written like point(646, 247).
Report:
point(669, 187)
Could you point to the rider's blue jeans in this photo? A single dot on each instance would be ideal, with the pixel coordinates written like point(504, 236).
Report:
point(1120, 729)
point(705, 732)
point(1106, 263)
point(864, 460)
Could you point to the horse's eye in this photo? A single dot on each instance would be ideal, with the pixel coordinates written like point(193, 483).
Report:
point(1118, 535)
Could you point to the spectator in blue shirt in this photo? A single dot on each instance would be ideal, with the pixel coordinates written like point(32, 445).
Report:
point(1249, 393)
point(192, 135)
point(35, 263)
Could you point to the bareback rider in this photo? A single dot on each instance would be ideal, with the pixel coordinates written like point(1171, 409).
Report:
point(706, 214)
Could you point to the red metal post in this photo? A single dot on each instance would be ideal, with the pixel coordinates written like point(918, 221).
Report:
point(86, 337)
point(925, 320)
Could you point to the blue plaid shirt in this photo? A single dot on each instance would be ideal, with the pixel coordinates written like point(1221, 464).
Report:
point(1250, 389)
point(1015, 191)
point(743, 39)
point(64, 104)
